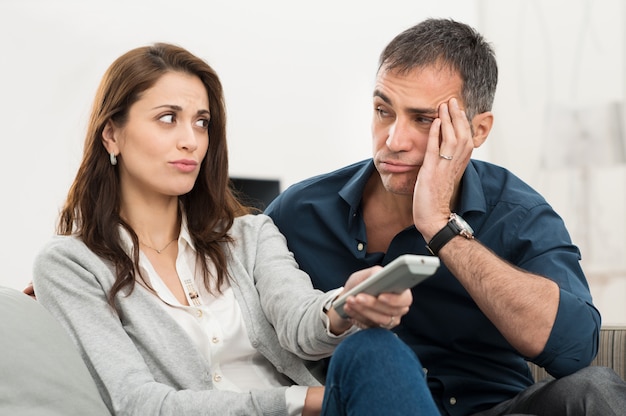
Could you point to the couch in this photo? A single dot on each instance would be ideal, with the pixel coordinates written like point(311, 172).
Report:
point(42, 373)
point(611, 353)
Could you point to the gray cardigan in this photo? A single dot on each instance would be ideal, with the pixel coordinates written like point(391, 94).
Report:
point(145, 364)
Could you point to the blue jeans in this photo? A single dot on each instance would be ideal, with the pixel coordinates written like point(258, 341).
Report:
point(373, 372)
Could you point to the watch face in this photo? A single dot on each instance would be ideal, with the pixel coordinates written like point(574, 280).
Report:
point(464, 228)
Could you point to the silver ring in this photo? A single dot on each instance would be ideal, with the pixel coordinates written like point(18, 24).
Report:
point(445, 157)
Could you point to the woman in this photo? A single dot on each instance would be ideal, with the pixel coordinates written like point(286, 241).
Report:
point(179, 302)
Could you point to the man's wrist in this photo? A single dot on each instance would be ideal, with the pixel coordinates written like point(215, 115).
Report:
point(433, 229)
point(456, 226)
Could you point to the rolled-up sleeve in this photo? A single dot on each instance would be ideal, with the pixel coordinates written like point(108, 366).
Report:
point(548, 251)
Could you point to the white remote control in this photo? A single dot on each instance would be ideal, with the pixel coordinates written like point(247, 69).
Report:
point(402, 273)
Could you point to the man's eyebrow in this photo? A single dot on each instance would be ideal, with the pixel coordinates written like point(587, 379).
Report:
point(379, 93)
point(417, 111)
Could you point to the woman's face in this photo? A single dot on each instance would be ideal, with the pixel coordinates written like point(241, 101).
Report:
point(165, 139)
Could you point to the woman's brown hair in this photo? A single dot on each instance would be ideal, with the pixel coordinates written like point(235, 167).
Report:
point(92, 209)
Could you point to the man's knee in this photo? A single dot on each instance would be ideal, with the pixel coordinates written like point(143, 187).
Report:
point(592, 377)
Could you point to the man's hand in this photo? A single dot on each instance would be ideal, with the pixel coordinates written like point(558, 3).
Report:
point(448, 152)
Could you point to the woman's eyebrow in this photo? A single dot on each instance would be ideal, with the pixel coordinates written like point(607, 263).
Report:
point(179, 108)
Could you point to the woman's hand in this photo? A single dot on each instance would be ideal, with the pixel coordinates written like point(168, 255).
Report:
point(366, 311)
point(30, 290)
point(313, 401)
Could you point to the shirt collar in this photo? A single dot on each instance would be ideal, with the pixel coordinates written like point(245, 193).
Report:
point(352, 191)
point(127, 242)
point(472, 195)
point(184, 233)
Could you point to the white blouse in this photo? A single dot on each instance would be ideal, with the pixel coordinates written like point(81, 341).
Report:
point(215, 325)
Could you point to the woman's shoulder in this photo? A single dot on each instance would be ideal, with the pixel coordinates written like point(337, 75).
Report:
point(250, 223)
point(65, 249)
point(253, 229)
point(64, 243)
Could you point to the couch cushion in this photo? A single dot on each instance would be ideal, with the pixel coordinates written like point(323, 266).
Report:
point(41, 370)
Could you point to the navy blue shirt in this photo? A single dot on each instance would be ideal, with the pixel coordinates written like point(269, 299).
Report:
point(469, 365)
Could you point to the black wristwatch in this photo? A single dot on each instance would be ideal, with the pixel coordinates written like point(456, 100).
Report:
point(455, 226)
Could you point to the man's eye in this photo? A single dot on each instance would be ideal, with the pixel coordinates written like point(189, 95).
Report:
point(424, 120)
point(167, 118)
point(381, 111)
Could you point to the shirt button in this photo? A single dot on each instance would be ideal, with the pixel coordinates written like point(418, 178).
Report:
point(360, 246)
point(215, 340)
point(425, 370)
point(452, 401)
point(199, 313)
point(217, 378)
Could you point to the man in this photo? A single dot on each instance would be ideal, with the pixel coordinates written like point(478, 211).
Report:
point(510, 286)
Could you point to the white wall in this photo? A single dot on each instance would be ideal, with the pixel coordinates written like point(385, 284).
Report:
point(298, 80)
point(561, 122)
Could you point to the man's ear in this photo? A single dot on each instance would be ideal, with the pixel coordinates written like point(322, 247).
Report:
point(109, 138)
point(481, 126)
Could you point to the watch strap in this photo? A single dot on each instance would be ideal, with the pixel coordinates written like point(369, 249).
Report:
point(442, 237)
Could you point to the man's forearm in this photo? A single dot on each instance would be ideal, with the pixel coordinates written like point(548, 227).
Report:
point(520, 304)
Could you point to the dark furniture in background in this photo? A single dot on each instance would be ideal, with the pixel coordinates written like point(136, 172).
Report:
point(256, 192)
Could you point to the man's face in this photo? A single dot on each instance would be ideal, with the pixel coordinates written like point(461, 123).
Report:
point(405, 105)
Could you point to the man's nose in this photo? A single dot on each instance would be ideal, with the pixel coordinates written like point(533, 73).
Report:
point(399, 137)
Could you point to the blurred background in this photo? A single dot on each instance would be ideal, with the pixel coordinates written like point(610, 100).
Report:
point(298, 78)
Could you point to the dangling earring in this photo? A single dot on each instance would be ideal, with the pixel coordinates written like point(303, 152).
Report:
point(113, 158)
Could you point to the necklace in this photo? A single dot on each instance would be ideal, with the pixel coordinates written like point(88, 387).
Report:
point(157, 250)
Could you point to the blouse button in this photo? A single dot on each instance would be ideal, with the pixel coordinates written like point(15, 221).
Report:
point(215, 340)
point(360, 246)
point(217, 378)
point(452, 401)
point(199, 313)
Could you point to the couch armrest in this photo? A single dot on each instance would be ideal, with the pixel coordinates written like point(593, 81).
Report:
point(611, 353)
point(41, 370)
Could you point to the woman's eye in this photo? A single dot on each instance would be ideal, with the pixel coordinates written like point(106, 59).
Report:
point(167, 118)
point(203, 123)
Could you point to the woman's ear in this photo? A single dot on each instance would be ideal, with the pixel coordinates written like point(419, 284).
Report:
point(481, 126)
point(109, 139)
